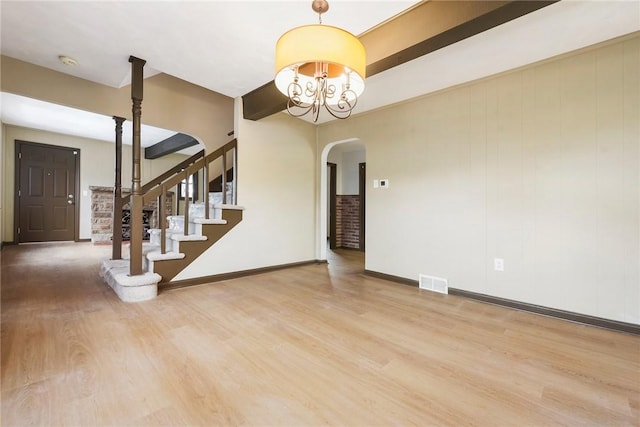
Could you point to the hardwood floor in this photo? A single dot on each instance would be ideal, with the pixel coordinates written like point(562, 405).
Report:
point(313, 345)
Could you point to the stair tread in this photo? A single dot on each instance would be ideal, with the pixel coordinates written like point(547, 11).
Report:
point(167, 230)
point(209, 221)
point(158, 256)
point(196, 220)
point(227, 206)
point(188, 238)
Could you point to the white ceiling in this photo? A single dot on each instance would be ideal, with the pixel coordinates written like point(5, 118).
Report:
point(228, 46)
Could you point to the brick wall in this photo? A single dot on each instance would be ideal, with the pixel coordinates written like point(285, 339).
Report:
point(348, 221)
point(102, 212)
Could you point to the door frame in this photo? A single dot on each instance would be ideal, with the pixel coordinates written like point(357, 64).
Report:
point(16, 200)
point(333, 184)
point(362, 186)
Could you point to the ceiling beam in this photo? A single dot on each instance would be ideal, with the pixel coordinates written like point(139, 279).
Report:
point(437, 24)
point(174, 143)
point(423, 29)
point(263, 102)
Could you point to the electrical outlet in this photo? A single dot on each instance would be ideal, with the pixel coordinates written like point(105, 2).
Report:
point(498, 264)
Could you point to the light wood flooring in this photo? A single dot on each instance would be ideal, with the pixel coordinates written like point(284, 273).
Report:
point(313, 345)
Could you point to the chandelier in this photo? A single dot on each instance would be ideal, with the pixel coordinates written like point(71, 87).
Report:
point(320, 66)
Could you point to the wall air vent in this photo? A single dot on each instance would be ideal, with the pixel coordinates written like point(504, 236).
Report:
point(432, 283)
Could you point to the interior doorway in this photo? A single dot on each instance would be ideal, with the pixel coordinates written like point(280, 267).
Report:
point(345, 196)
point(47, 177)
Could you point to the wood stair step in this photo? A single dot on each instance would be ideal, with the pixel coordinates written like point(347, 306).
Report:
point(209, 221)
point(158, 256)
point(188, 237)
point(226, 206)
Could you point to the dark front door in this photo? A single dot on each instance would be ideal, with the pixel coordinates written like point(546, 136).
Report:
point(46, 192)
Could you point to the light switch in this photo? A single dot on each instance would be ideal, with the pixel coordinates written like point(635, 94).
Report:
point(384, 183)
point(375, 183)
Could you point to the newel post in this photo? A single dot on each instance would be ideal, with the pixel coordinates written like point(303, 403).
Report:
point(116, 240)
point(135, 265)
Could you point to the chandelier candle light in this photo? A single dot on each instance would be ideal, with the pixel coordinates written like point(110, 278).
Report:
point(320, 65)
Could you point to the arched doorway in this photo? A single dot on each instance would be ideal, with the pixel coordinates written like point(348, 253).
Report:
point(342, 196)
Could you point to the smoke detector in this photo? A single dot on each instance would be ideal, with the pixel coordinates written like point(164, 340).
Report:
point(67, 60)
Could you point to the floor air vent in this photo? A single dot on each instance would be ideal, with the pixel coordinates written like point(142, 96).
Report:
point(432, 283)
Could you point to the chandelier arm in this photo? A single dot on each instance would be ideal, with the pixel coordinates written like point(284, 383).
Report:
point(296, 107)
point(292, 112)
point(354, 98)
point(304, 110)
point(320, 93)
point(341, 112)
point(330, 91)
point(294, 90)
point(339, 115)
point(310, 90)
point(345, 106)
point(316, 112)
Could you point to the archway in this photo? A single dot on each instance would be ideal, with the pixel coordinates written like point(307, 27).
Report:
point(354, 150)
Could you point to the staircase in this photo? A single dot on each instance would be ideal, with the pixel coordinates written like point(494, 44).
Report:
point(184, 249)
point(180, 240)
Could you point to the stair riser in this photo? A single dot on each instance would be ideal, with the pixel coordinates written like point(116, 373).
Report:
point(170, 244)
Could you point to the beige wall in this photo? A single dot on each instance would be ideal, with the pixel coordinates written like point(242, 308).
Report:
point(97, 168)
point(277, 186)
point(350, 179)
point(347, 169)
point(169, 103)
point(539, 167)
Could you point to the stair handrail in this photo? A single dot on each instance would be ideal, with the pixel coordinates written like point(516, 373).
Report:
point(182, 171)
point(171, 171)
point(168, 173)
